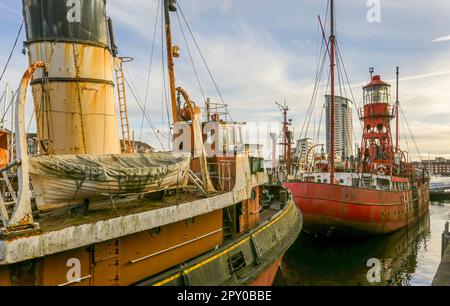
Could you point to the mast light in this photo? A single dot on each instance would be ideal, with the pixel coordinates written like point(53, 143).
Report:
point(173, 5)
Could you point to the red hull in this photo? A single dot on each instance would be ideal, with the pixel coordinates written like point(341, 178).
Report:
point(267, 277)
point(329, 209)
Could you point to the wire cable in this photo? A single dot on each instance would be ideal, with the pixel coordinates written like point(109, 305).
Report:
point(138, 100)
point(12, 51)
point(191, 59)
point(149, 70)
point(203, 59)
point(410, 132)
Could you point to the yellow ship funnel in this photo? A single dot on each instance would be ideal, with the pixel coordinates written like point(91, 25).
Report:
point(74, 102)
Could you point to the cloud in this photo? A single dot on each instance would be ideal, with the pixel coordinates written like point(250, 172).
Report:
point(260, 51)
point(441, 39)
point(9, 9)
point(256, 63)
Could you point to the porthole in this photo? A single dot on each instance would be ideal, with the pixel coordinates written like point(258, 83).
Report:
point(341, 181)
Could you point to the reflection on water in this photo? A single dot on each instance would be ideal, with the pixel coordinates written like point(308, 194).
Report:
point(408, 257)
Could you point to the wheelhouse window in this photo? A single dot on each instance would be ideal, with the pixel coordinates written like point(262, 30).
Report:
point(231, 137)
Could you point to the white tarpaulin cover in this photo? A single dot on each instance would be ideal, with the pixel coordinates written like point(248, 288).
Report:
point(65, 180)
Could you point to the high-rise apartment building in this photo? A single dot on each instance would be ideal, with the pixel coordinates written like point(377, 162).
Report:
point(343, 123)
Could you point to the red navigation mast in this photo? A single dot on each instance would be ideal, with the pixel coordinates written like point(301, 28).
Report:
point(287, 138)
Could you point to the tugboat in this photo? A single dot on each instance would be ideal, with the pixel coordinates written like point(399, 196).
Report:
point(87, 213)
point(379, 191)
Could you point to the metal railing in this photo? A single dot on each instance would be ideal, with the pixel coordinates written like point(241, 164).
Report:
point(223, 174)
point(389, 113)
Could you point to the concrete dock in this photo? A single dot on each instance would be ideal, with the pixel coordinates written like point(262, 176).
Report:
point(443, 275)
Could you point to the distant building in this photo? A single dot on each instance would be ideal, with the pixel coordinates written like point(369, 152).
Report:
point(343, 123)
point(302, 154)
point(303, 150)
point(33, 144)
point(438, 166)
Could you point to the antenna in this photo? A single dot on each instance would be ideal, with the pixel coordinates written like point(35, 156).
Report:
point(287, 137)
point(371, 71)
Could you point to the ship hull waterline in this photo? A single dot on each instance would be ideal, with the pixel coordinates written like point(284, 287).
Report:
point(333, 209)
point(262, 249)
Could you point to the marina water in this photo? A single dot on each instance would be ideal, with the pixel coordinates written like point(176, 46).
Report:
point(409, 257)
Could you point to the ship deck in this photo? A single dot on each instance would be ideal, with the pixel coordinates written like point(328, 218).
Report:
point(270, 211)
point(115, 208)
point(64, 230)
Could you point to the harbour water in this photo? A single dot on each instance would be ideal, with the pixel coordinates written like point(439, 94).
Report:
point(409, 257)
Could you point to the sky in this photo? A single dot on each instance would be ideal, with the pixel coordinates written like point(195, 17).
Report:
point(262, 51)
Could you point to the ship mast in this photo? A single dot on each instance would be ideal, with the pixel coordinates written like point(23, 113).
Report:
point(397, 104)
point(287, 138)
point(169, 5)
point(332, 106)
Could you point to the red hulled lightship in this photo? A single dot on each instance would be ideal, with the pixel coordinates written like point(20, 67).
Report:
point(377, 192)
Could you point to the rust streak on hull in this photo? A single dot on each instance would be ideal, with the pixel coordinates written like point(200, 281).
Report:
point(332, 208)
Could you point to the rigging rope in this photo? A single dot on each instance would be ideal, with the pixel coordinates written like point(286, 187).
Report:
point(3, 95)
point(12, 51)
point(320, 124)
point(203, 59)
point(406, 137)
point(31, 120)
point(342, 82)
point(138, 100)
point(410, 132)
point(318, 78)
point(9, 105)
point(355, 103)
point(149, 71)
point(190, 57)
point(164, 93)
